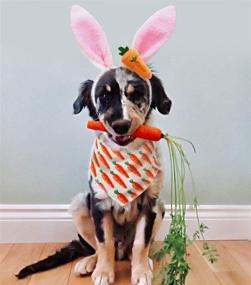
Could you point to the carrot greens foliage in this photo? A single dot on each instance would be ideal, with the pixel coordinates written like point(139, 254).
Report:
point(177, 240)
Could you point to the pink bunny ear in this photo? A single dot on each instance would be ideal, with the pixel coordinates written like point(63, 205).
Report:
point(91, 37)
point(154, 32)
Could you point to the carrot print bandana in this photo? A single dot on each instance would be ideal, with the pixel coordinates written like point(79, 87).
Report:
point(124, 175)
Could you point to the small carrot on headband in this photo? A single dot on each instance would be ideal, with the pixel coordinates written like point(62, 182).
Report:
point(132, 60)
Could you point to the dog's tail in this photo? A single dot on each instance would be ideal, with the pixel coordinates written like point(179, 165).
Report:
point(73, 250)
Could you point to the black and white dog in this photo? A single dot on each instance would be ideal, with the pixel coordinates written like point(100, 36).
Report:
point(107, 230)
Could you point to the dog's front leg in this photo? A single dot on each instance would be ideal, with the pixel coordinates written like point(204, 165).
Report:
point(146, 229)
point(104, 271)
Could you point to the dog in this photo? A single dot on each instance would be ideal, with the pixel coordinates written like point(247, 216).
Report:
point(107, 228)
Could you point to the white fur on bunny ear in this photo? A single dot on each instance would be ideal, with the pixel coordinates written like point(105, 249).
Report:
point(91, 37)
point(154, 32)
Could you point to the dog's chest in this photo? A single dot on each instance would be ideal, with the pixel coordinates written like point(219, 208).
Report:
point(123, 174)
point(125, 214)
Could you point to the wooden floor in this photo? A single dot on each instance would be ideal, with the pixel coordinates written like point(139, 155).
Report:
point(233, 267)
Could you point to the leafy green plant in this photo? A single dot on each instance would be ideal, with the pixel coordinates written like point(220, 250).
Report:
point(176, 240)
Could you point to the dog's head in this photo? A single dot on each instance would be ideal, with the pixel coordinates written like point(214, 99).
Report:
point(122, 101)
point(118, 97)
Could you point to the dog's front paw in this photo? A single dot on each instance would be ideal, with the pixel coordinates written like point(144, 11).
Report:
point(86, 265)
point(103, 274)
point(142, 275)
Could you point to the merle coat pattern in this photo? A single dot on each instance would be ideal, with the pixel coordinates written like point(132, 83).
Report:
point(122, 101)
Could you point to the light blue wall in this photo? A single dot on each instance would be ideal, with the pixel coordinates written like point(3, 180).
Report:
point(205, 68)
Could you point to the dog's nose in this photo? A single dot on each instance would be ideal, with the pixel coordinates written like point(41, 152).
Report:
point(121, 126)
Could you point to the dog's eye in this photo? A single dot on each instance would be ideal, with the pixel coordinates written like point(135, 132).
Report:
point(103, 98)
point(135, 96)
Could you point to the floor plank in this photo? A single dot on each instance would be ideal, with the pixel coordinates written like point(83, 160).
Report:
point(56, 276)
point(233, 267)
point(4, 249)
point(123, 272)
point(226, 269)
point(200, 272)
point(122, 275)
point(17, 257)
point(241, 251)
point(74, 280)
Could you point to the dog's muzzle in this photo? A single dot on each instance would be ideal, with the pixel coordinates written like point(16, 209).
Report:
point(121, 127)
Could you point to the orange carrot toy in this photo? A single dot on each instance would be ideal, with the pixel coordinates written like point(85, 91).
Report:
point(132, 60)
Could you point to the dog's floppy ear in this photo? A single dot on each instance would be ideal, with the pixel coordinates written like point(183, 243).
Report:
point(159, 96)
point(84, 100)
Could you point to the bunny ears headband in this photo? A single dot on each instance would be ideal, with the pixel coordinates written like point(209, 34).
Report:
point(147, 40)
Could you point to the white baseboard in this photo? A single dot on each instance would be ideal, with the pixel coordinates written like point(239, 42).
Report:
point(52, 223)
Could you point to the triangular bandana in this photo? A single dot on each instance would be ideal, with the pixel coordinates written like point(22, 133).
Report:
point(124, 175)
